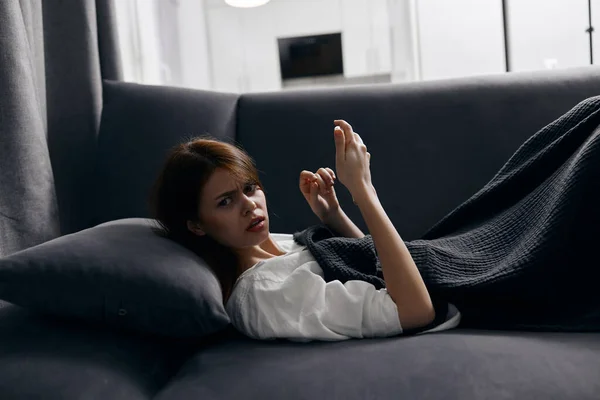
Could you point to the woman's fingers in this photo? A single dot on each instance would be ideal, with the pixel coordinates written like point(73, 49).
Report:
point(346, 127)
point(331, 172)
point(322, 184)
point(348, 132)
point(343, 124)
point(358, 139)
point(324, 179)
point(306, 179)
point(327, 176)
point(304, 176)
point(340, 145)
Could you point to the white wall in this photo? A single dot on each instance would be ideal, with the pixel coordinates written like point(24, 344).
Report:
point(460, 38)
point(243, 42)
point(404, 40)
point(195, 65)
point(366, 34)
point(164, 42)
point(124, 20)
point(548, 34)
point(137, 25)
point(231, 49)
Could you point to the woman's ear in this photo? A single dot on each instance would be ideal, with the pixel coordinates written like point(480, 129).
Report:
point(194, 227)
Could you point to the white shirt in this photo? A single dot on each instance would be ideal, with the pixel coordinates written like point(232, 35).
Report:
point(287, 297)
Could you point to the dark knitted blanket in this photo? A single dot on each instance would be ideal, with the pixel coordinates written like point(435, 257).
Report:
point(521, 253)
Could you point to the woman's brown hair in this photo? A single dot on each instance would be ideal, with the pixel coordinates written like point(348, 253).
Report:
point(178, 188)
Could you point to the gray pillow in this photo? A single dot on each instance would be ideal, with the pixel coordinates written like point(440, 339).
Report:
point(119, 273)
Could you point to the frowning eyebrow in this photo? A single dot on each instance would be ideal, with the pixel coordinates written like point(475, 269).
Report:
point(229, 193)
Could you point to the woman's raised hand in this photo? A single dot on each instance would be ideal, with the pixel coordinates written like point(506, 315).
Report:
point(352, 161)
point(319, 193)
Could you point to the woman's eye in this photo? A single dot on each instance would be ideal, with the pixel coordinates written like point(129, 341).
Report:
point(248, 189)
point(223, 202)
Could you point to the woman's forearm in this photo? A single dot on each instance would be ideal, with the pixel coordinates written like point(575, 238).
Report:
point(402, 278)
point(342, 224)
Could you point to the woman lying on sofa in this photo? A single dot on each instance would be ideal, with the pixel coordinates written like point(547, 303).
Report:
point(508, 257)
point(211, 200)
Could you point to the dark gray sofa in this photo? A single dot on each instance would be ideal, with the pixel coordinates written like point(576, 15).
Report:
point(433, 145)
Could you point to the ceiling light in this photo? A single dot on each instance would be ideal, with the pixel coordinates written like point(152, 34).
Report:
point(246, 3)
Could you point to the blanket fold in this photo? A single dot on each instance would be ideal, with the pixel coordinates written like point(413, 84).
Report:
point(518, 254)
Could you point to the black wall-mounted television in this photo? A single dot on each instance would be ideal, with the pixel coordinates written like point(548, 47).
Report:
point(307, 56)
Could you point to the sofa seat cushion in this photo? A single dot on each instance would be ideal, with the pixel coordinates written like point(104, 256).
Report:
point(48, 358)
point(458, 364)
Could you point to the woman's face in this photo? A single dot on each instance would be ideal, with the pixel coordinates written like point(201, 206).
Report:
point(227, 208)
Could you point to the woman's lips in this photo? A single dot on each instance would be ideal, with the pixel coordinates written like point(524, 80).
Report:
point(258, 227)
point(254, 220)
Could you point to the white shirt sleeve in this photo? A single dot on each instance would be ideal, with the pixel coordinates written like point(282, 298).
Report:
point(303, 307)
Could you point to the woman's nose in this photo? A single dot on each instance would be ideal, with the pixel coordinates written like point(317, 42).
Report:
point(250, 204)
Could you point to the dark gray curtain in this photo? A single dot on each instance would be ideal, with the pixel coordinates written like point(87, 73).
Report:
point(53, 56)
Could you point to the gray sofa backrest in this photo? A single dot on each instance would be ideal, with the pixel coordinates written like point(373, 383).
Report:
point(433, 144)
point(139, 125)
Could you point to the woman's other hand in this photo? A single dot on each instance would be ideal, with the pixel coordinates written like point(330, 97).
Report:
point(319, 192)
point(352, 161)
